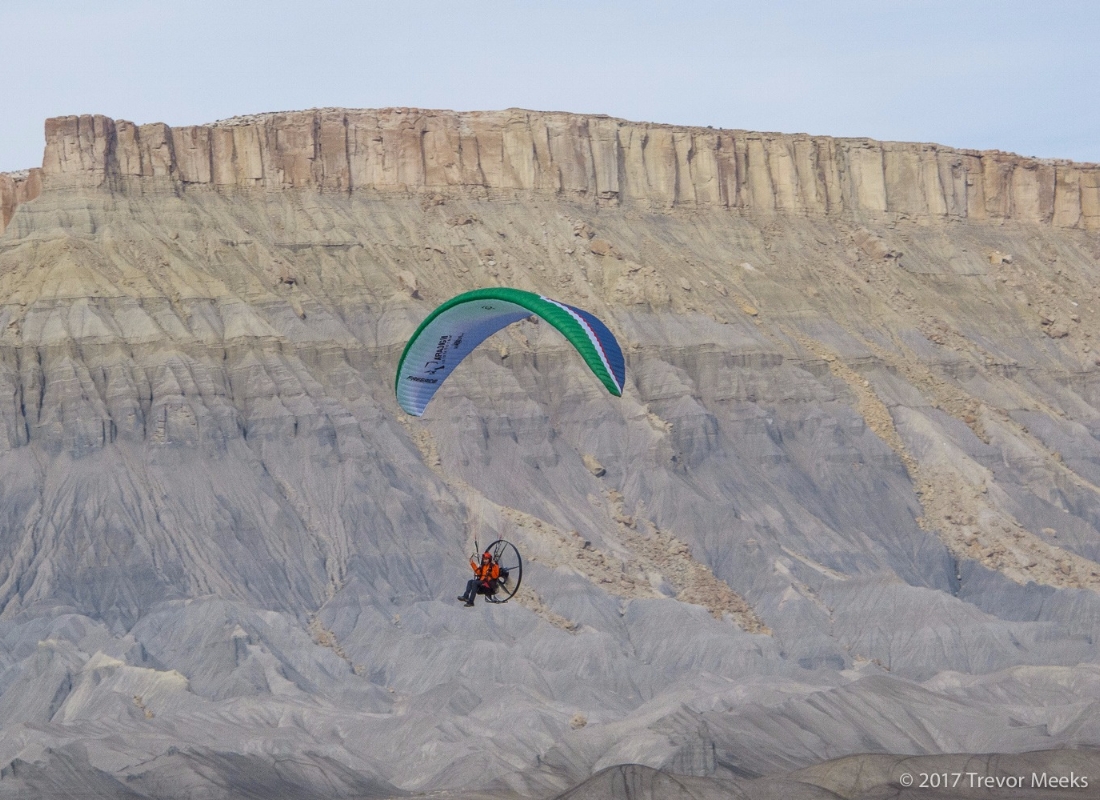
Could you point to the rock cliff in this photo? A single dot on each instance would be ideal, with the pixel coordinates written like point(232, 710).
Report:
point(849, 497)
point(596, 159)
point(16, 188)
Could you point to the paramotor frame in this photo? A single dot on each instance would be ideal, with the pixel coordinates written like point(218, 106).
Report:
point(507, 557)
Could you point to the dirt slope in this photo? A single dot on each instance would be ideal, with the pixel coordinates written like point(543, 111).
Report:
point(848, 498)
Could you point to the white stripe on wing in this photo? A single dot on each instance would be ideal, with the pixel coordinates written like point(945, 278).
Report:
point(591, 335)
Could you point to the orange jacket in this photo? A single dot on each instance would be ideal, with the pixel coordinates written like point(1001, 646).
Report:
point(490, 572)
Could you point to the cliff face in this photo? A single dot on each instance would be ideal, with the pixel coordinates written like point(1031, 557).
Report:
point(16, 188)
point(849, 494)
point(598, 159)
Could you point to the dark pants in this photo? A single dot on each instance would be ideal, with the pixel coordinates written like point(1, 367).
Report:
point(475, 587)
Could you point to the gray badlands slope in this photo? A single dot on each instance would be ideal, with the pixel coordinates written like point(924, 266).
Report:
point(847, 505)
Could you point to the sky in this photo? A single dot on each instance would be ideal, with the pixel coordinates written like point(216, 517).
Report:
point(1010, 75)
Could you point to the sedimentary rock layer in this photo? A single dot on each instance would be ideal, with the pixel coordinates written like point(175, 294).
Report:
point(16, 188)
point(596, 158)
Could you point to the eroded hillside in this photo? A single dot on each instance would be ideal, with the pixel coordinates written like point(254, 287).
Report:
point(850, 491)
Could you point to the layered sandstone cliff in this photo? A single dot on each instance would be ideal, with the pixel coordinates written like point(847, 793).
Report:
point(16, 188)
point(596, 158)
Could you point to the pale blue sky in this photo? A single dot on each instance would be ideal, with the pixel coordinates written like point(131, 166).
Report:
point(1017, 76)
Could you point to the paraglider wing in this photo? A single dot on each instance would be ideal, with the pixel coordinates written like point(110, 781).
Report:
point(454, 329)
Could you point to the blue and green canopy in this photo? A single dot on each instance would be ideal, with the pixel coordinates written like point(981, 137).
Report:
point(453, 330)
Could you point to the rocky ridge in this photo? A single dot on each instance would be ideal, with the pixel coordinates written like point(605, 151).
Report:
point(599, 159)
point(848, 498)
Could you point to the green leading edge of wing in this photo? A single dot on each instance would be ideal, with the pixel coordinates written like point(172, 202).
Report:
point(454, 329)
